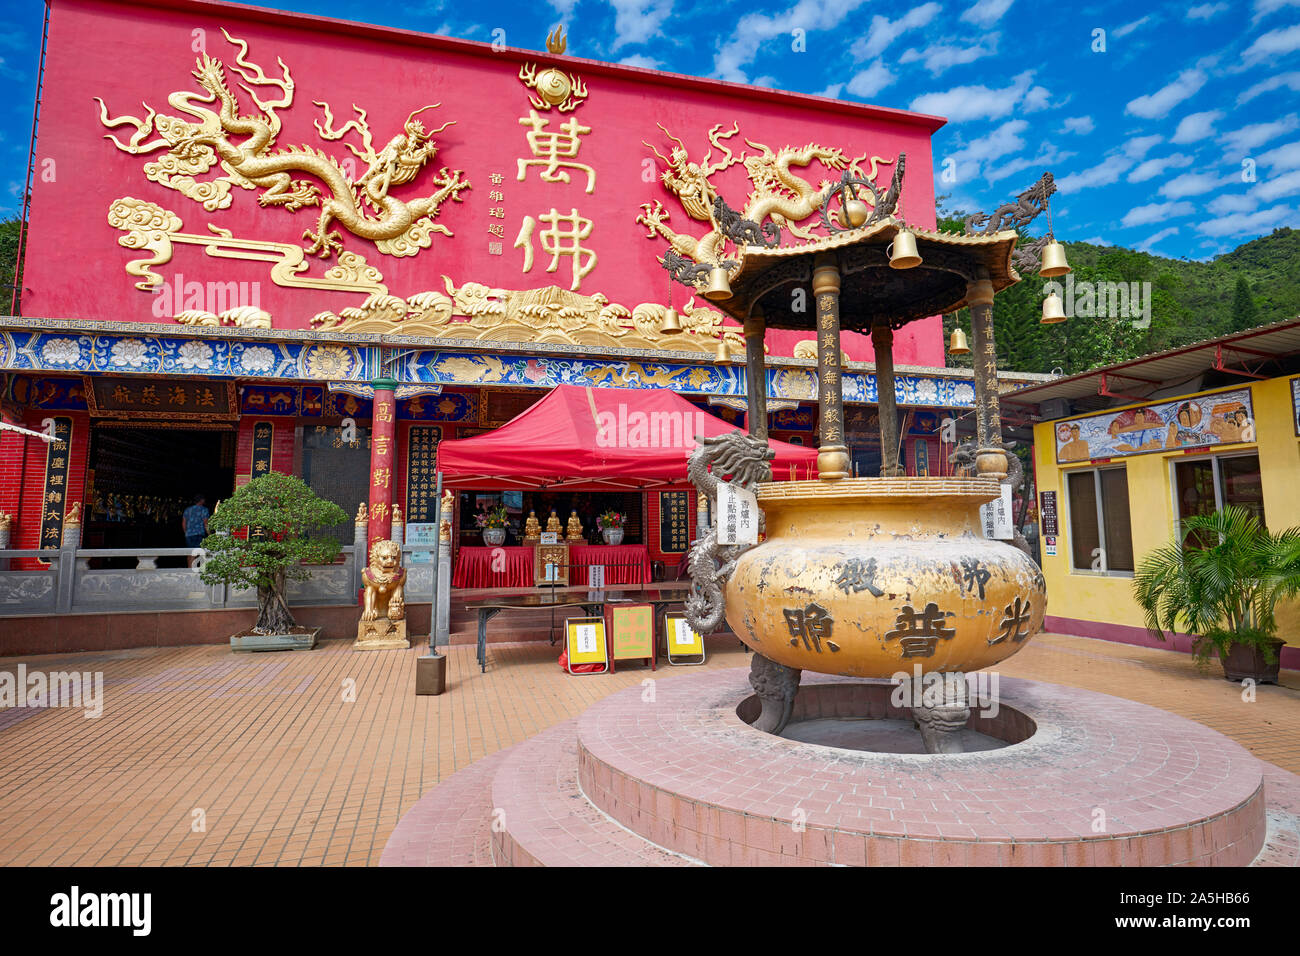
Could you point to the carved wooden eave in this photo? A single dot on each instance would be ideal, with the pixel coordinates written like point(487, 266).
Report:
point(871, 292)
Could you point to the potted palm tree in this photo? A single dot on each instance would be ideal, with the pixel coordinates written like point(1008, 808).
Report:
point(1221, 583)
point(266, 534)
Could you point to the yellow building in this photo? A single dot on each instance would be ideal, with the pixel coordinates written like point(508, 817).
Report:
point(1122, 454)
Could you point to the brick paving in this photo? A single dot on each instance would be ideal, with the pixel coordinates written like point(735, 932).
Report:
point(203, 757)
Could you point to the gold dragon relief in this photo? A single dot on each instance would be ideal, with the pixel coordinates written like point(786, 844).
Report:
point(779, 195)
point(215, 131)
point(474, 311)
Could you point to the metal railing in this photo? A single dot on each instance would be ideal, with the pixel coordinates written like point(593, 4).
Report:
point(72, 583)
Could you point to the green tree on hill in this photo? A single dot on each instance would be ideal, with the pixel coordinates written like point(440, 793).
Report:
point(1244, 313)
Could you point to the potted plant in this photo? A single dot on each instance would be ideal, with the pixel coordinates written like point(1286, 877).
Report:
point(610, 524)
point(492, 522)
point(1221, 583)
point(282, 514)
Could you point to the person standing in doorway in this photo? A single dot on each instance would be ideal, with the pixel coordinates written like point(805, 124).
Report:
point(194, 522)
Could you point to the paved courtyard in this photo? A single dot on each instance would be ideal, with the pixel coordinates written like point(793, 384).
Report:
point(203, 757)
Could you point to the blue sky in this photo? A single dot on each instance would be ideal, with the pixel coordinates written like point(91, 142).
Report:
point(1170, 127)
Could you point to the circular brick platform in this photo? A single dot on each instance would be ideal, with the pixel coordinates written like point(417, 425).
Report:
point(1093, 780)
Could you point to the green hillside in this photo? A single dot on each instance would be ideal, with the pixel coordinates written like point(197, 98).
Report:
point(1256, 284)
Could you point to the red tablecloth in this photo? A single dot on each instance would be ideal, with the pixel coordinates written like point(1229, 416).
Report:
point(474, 568)
point(624, 563)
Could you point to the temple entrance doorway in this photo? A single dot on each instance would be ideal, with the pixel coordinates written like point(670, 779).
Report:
point(139, 480)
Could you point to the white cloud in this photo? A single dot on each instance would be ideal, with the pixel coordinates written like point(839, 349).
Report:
point(1047, 157)
point(1290, 81)
point(1156, 212)
point(1098, 241)
point(753, 29)
point(987, 12)
point(638, 21)
point(872, 80)
point(832, 92)
point(1002, 141)
point(1257, 134)
point(641, 60)
point(1154, 167)
point(1128, 28)
point(1288, 184)
point(1146, 244)
point(1103, 174)
point(1139, 146)
point(1206, 11)
point(1264, 7)
point(975, 102)
point(1190, 184)
point(1233, 202)
point(1196, 126)
point(1158, 104)
point(1275, 43)
point(884, 31)
point(1281, 157)
point(1036, 99)
point(1082, 125)
point(1254, 223)
point(939, 57)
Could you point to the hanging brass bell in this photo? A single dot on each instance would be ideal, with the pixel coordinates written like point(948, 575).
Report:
point(718, 288)
point(957, 344)
point(671, 325)
point(723, 354)
point(902, 251)
point(854, 213)
point(1053, 310)
point(1054, 263)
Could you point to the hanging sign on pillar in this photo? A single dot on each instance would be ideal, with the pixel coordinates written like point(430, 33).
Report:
point(737, 515)
point(996, 516)
point(383, 455)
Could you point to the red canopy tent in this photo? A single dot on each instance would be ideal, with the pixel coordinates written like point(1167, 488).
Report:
point(597, 439)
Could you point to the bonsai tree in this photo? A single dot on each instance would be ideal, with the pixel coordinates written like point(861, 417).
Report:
point(1220, 583)
point(279, 514)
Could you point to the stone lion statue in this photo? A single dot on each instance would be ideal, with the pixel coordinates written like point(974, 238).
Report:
point(384, 580)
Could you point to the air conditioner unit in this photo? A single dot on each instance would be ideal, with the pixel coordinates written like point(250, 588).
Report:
point(1054, 408)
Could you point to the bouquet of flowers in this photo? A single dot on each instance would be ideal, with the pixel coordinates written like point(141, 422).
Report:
point(609, 520)
point(492, 517)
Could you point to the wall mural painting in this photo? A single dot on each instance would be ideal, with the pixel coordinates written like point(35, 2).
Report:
point(1219, 419)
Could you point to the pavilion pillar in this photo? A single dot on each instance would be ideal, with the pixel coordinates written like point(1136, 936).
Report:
point(383, 455)
point(756, 374)
point(832, 454)
point(882, 342)
point(990, 457)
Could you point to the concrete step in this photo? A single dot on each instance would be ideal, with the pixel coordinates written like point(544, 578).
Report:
point(545, 820)
point(451, 825)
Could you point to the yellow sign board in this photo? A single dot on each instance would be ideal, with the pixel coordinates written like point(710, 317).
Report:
point(683, 641)
point(632, 631)
point(585, 642)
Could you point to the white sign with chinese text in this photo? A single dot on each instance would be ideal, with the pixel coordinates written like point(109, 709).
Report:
point(596, 576)
point(996, 517)
point(422, 533)
point(585, 635)
point(737, 515)
point(683, 634)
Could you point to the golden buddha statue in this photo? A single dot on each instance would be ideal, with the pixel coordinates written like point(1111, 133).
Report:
point(532, 527)
point(553, 522)
point(575, 527)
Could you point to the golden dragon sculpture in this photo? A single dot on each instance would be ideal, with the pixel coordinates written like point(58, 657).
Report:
point(291, 177)
point(779, 194)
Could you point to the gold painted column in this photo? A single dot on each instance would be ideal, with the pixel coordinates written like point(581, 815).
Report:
point(991, 459)
point(756, 373)
point(832, 454)
point(882, 343)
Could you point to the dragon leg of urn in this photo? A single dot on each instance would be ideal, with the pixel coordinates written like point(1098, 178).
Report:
point(942, 721)
point(745, 459)
point(776, 686)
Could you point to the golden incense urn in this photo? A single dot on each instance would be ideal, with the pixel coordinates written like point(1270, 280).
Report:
point(888, 577)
